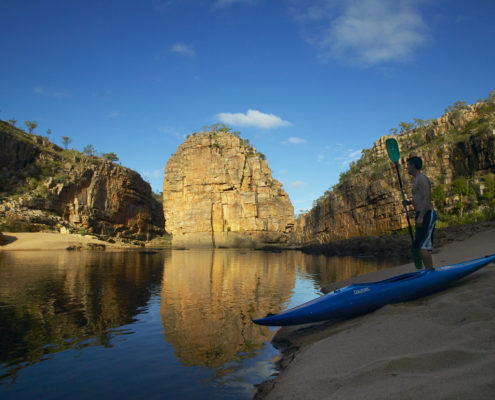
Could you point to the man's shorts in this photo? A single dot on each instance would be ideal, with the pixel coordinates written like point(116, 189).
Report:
point(424, 233)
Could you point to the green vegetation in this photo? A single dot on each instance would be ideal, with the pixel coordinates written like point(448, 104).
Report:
point(465, 199)
point(53, 165)
point(66, 141)
point(89, 150)
point(110, 156)
point(31, 125)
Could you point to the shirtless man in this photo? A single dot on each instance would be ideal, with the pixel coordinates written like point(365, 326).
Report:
point(426, 216)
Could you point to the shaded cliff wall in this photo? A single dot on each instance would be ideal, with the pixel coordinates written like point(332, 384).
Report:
point(367, 200)
point(218, 191)
point(87, 192)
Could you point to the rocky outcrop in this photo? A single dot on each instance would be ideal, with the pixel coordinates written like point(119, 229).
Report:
point(58, 188)
point(367, 200)
point(106, 199)
point(218, 191)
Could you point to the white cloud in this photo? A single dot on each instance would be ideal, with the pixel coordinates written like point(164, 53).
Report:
point(294, 140)
point(297, 184)
point(364, 32)
point(252, 118)
point(352, 155)
point(49, 93)
point(183, 49)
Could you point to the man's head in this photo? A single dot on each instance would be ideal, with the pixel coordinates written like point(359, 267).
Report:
point(414, 164)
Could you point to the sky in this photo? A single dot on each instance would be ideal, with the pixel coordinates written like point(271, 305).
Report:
point(309, 83)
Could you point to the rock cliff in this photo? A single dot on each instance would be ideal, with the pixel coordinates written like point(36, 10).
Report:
point(367, 200)
point(43, 186)
point(218, 191)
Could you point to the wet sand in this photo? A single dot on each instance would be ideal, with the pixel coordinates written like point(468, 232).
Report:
point(438, 347)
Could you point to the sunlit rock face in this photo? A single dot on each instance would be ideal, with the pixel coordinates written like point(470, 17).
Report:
point(209, 298)
point(54, 187)
point(218, 191)
point(368, 201)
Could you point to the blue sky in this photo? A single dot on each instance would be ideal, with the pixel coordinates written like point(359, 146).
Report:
point(309, 83)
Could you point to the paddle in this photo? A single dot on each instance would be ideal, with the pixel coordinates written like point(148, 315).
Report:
point(394, 154)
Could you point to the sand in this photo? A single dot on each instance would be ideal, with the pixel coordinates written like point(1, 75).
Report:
point(52, 241)
point(438, 347)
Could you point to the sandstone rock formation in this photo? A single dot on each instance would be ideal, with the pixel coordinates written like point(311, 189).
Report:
point(218, 191)
point(55, 188)
point(367, 200)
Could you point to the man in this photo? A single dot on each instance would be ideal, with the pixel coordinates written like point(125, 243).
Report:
point(426, 216)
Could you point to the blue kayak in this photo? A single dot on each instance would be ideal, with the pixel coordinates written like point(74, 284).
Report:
point(362, 298)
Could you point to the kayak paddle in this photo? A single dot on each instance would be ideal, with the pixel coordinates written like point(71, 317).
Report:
point(394, 154)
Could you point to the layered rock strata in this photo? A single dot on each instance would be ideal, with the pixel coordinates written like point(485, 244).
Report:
point(45, 187)
point(218, 191)
point(367, 200)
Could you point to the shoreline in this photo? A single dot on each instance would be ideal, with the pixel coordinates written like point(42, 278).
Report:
point(402, 349)
point(35, 241)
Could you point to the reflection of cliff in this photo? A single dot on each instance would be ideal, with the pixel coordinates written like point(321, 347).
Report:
point(63, 298)
point(210, 297)
point(327, 270)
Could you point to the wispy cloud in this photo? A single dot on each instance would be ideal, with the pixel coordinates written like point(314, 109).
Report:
point(294, 140)
point(252, 118)
point(227, 3)
point(363, 32)
point(297, 184)
point(172, 132)
point(157, 173)
point(183, 49)
point(50, 93)
point(114, 114)
point(352, 155)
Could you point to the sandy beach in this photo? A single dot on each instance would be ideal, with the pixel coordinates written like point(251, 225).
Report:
point(438, 347)
point(52, 241)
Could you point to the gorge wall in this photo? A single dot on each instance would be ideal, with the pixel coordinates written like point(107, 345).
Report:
point(42, 185)
point(218, 191)
point(367, 200)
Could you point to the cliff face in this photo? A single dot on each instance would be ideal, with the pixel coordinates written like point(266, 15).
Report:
point(367, 201)
point(63, 188)
point(106, 199)
point(218, 191)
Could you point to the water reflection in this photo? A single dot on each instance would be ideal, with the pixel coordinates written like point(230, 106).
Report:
point(181, 319)
point(209, 298)
point(52, 301)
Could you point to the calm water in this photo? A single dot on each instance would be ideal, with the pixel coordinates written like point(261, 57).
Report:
point(173, 324)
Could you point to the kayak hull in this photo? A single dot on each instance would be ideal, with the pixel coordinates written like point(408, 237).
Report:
point(362, 298)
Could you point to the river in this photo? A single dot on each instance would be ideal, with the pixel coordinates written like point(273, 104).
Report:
point(169, 324)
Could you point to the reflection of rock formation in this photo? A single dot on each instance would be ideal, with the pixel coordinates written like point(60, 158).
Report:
point(327, 270)
point(62, 298)
point(210, 297)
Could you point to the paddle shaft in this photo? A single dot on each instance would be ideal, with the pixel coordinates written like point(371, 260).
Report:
point(404, 199)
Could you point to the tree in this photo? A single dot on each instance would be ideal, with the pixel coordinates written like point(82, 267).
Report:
point(110, 156)
point(12, 122)
point(31, 125)
point(460, 187)
point(438, 196)
point(66, 141)
point(49, 132)
point(405, 126)
point(89, 150)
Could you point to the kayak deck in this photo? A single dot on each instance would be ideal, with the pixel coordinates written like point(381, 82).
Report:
point(360, 298)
